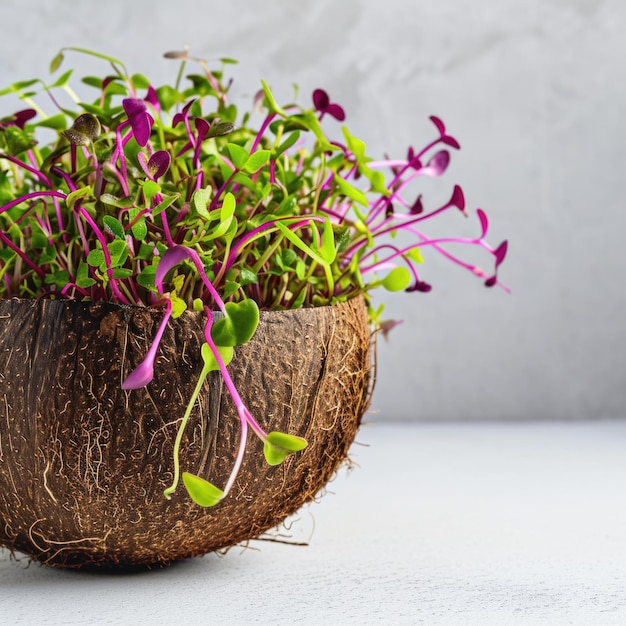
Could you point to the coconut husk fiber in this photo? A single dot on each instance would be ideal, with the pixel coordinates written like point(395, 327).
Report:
point(83, 463)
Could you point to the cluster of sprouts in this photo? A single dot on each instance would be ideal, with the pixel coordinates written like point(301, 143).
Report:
point(169, 196)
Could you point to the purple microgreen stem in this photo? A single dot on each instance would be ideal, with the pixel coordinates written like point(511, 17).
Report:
point(245, 416)
point(176, 255)
point(144, 372)
point(117, 294)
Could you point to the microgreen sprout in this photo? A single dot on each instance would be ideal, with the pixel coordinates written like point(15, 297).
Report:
point(169, 196)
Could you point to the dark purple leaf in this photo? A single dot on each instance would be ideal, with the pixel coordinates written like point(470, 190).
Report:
point(323, 104)
point(202, 127)
point(134, 107)
point(336, 111)
point(139, 118)
point(415, 163)
point(457, 199)
point(182, 115)
point(451, 141)
point(500, 252)
point(184, 149)
point(21, 117)
point(439, 124)
point(484, 222)
point(151, 97)
point(389, 210)
point(420, 286)
point(159, 163)
point(107, 81)
point(320, 100)
point(491, 281)
point(417, 207)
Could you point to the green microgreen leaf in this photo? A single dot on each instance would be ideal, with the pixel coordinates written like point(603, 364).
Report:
point(56, 62)
point(168, 97)
point(247, 277)
point(146, 277)
point(278, 446)
point(256, 161)
point(138, 228)
point(179, 306)
point(56, 122)
point(415, 255)
point(299, 243)
point(354, 144)
point(397, 279)
point(201, 491)
point(113, 226)
point(118, 250)
point(150, 190)
point(238, 155)
point(238, 325)
point(210, 362)
point(200, 201)
point(95, 258)
point(290, 141)
point(272, 105)
point(226, 218)
point(111, 200)
point(165, 204)
point(139, 81)
point(18, 140)
point(327, 249)
point(59, 278)
point(351, 191)
point(62, 80)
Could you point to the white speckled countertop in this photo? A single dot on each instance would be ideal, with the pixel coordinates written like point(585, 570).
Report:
point(440, 524)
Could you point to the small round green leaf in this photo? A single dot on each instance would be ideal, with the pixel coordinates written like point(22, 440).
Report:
point(95, 258)
point(200, 201)
point(210, 362)
point(201, 491)
point(113, 226)
point(278, 446)
point(397, 279)
point(83, 279)
point(239, 324)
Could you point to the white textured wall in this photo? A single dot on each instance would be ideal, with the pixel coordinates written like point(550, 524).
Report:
point(533, 89)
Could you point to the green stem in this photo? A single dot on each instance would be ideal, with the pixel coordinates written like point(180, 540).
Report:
point(181, 429)
point(304, 283)
point(267, 255)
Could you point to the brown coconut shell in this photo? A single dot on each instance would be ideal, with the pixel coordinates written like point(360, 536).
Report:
point(83, 464)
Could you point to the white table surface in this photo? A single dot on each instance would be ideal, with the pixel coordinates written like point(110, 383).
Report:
point(440, 524)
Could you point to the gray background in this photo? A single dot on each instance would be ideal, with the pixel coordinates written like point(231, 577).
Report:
point(533, 90)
